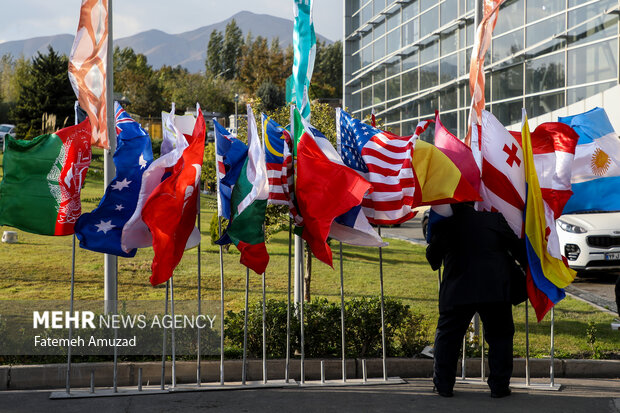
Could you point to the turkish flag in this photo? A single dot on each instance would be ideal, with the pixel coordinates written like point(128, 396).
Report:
point(170, 211)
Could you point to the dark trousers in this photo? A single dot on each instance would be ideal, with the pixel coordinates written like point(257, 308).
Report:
point(498, 332)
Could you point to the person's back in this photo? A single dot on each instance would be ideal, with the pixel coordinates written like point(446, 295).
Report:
point(474, 247)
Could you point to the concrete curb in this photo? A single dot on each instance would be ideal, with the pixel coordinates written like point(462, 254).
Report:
point(54, 375)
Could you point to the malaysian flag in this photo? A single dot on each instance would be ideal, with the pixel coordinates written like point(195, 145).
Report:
point(384, 159)
point(230, 154)
point(278, 159)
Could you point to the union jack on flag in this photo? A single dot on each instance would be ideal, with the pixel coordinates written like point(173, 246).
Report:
point(230, 155)
point(384, 159)
point(124, 123)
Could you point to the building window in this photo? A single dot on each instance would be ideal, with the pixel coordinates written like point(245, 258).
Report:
point(593, 63)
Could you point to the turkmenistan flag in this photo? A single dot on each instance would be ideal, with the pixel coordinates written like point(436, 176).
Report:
point(248, 204)
point(40, 191)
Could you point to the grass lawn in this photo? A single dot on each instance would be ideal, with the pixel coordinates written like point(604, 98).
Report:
point(38, 267)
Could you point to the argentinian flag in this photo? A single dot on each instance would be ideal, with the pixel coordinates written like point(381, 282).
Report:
point(596, 168)
point(304, 45)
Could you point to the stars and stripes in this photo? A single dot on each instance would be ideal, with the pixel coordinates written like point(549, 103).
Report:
point(384, 159)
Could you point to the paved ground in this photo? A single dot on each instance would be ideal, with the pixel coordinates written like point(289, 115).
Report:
point(578, 395)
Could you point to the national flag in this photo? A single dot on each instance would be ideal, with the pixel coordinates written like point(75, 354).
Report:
point(549, 273)
point(136, 234)
point(458, 152)
point(40, 189)
point(170, 211)
point(437, 179)
point(596, 169)
point(482, 41)
point(230, 156)
point(249, 202)
point(325, 188)
point(384, 160)
point(184, 123)
point(101, 230)
point(499, 156)
point(304, 53)
point(553, 147)
point(278, 160)
point(87, 66)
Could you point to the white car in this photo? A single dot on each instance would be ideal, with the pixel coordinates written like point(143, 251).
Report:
point(590, 241)
point(6, 129)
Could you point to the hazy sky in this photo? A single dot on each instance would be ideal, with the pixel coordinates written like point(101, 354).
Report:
point(23, 19)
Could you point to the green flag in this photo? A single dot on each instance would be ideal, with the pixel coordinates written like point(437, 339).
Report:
point(40, 190)
point(248, 204)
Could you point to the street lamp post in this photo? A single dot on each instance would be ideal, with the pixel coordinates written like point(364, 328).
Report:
point(236, 104)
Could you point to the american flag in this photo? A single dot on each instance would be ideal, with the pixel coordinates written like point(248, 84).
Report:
point(384, 159)
point(278, 159)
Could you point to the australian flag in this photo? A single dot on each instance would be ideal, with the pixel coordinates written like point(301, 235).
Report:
point(230, 155)
point(101, 229)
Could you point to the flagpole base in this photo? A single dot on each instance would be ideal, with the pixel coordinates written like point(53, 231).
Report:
point(353, 382)
point(514, 385)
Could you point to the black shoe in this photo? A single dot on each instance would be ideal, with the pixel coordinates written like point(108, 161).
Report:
point(498, 394)
point(443, 393)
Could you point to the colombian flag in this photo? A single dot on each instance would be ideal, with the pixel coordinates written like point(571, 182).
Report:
point(549, 274)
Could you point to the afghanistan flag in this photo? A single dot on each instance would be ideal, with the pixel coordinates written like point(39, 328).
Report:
point(248, 204)
point(40, 191)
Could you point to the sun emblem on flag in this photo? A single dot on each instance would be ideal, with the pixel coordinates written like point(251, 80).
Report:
point(600, 162)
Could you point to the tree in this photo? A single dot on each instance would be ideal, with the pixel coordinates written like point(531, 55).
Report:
point(45, 88)
point(327, 74)
point(214, 64)
point(231, 50)
point(134, 78)
point(271, 95)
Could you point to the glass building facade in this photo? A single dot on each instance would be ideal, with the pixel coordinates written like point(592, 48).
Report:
point(406, 58)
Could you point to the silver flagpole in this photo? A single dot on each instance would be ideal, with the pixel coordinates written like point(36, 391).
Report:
point(288, 304)
point(219, 225)
point(527, 346)
point(464, 358)
point(219, 229)
point(385, 377)
point(162, 384)
point(264, 335)
point(110, 262)
point(68, 384)
point(302, 286)
point(174, 361)
point(552, 350)
point(198, 356)
point(245, 328)
point(342, 328)
point(482, 373)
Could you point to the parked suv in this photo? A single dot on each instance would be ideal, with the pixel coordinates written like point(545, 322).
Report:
point(590, 240)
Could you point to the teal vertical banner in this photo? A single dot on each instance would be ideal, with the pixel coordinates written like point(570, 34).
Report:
point(304, 45)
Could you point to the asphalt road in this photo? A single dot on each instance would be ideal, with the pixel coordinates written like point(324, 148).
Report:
point(578, 395)
point(594, 287)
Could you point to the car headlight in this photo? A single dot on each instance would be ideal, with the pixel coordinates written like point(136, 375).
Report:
point(575, 229)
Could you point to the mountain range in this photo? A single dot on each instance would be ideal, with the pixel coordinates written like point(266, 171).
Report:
point(187, 49)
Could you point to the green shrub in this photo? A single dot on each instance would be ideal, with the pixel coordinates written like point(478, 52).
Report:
point(405, 329)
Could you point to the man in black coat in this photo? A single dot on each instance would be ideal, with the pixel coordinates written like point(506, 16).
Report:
point(478, 251)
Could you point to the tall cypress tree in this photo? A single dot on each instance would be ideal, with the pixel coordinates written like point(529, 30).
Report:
point(46, 89)
point(231, 52)
point(213, 63)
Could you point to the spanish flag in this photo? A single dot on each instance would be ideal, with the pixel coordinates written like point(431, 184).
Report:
point(548, 273)
point(437, 179)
